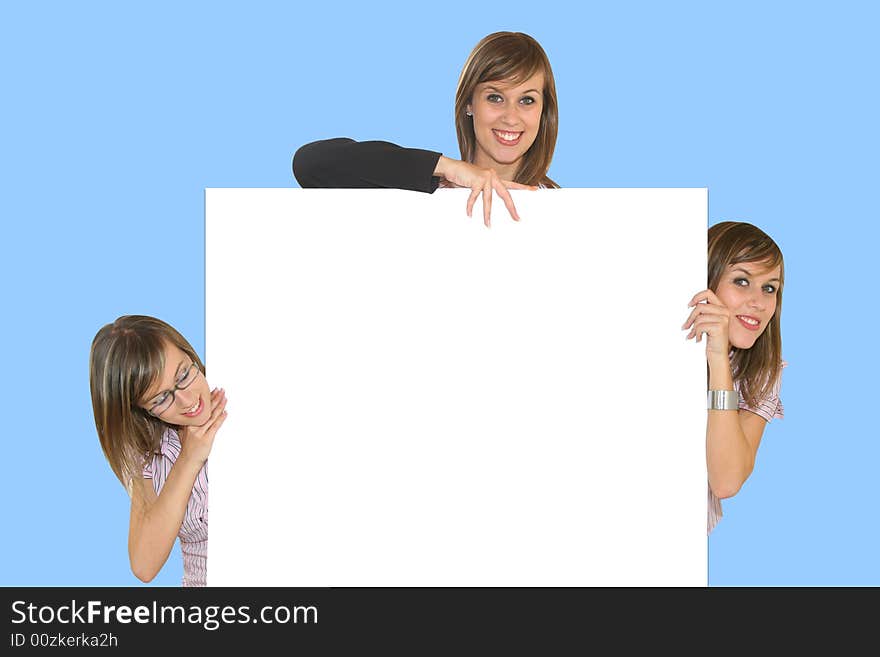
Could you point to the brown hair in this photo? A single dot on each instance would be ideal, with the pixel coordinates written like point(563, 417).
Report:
point(126, 358)
point(515, 57)
point(731, 242)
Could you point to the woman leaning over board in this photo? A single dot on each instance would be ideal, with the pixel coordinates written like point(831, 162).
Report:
point(506, 120)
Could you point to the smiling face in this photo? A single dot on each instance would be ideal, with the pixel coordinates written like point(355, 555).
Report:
point(506, 120)
point(749, 290)
point(190, 404)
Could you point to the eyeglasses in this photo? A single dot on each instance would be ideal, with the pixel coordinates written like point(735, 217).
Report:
point(167, 397)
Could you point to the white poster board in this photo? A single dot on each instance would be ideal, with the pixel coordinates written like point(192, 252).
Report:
point(417, 400)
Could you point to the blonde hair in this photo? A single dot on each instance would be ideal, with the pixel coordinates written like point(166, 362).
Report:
point(756, 369)
point(125, 359)
point(514, 57)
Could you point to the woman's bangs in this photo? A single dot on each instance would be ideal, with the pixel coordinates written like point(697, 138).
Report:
point(513, 67)
point(143, 359)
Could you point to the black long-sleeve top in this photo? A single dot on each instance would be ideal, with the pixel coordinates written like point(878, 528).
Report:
point(348, 164)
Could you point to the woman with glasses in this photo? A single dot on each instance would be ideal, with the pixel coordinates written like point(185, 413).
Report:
point(506, 119)
point(157, 418)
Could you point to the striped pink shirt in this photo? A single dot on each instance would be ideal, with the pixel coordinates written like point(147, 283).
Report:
point(769, 408)
point(193, 532)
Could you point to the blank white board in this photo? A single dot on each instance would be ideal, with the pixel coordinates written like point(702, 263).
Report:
point(417, 400)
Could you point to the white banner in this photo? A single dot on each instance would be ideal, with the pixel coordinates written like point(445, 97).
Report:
point(417, 400)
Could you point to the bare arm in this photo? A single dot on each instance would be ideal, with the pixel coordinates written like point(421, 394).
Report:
point(156, 519)
point(732, 437)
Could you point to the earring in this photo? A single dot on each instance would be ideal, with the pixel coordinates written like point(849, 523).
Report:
point(468, 113)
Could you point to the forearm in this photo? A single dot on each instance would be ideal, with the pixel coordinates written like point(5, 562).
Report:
point(154, 526)
point(347, 164)
point(441, 169)
point(729, 457)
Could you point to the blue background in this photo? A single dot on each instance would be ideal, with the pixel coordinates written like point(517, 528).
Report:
point(115, 118)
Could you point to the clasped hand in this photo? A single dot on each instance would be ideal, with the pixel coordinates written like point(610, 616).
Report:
point(196, 441)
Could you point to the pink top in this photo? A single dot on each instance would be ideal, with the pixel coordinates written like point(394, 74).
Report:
point(193, 532)
point(769, 408)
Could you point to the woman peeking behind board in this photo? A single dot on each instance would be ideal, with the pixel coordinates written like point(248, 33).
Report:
point(739, 316)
